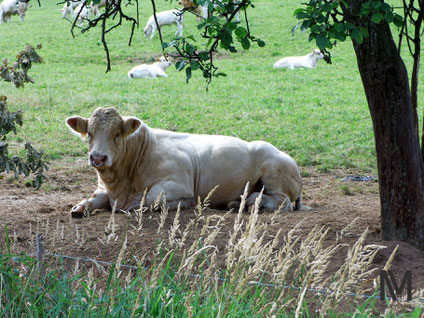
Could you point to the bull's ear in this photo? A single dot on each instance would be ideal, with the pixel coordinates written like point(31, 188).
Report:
point(131, 125)
point(77, 125)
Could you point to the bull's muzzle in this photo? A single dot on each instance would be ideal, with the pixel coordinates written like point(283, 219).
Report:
point(98, 161)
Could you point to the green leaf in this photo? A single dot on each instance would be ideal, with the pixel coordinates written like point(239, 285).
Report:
point(340, 36)
point(261, 43)
point(194, 65)
point(298, 10)
point(315, 29)
point(241, 32)
point(375, 5)
point(385, 7)
point(364, 32)
point(188, 74)
point(245, 43)
point(305, 25)
point(365, 12)
point(389, 17)
point(302, 15)
point(348, 26)
point(191, 37)
point(231, 26)
point(201, 25)
point(321, 41)
point(366, 5)
point(398, 20)
point(203, 55)
point(180, 65)
point(320, 18)
point(376, 18)
point(189, 48)
point(357, 36)
point(327, 7)
point(225, 37)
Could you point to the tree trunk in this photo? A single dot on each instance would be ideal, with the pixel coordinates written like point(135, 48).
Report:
point(400, 166)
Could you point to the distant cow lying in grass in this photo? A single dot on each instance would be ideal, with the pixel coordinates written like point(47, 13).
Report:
point(130, 157)
point(154, 70)
point(307, 61)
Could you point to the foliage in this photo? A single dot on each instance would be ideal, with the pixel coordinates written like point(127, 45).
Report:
point(328, 25)
point(34, 163)
point(17, 73)
point(220, 32)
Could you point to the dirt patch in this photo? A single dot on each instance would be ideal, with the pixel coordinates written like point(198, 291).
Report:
point(332, 203)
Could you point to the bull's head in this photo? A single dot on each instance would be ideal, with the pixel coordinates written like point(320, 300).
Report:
point(107, 132)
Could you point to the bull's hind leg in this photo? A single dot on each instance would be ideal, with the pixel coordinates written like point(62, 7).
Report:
point(270, 202)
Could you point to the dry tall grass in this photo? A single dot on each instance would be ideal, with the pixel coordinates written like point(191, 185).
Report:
point(289, 266)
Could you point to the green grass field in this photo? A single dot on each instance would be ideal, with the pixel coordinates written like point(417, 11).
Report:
point(318, 116)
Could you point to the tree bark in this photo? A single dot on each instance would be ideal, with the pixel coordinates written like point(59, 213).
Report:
point(400, 166)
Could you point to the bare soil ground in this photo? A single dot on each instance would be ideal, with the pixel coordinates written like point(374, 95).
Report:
point(333, 203)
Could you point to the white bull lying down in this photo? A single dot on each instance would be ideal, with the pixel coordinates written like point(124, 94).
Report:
point(130, 157)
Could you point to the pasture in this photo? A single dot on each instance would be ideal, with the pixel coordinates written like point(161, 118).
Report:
point(320, 117)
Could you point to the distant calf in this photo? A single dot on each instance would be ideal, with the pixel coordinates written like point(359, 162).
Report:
point(154, 70)
point(82, 12)
point(131, 158)
point(13, 7)
point(204, 10)
point(68, 8)
point(190, 6)
point(95, 9)
point(165, 18)
point(308, 61)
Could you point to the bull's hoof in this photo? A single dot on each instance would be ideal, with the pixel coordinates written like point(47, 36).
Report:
point(250, 209)
point(233, 204)
point(78, 211)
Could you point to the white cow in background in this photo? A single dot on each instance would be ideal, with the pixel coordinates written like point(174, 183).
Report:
point(154, 70)
point(82, 12)
point(307, 61)
point(68, 8)
point(168, 17)
point(13, 7)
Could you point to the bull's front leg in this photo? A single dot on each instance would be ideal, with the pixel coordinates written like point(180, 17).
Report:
point(99, 200)
point(175, 194)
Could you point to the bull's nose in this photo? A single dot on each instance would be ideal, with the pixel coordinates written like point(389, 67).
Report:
point(97, 161)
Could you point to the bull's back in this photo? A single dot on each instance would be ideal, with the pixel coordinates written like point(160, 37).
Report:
point(230, 163)
point(223, 161)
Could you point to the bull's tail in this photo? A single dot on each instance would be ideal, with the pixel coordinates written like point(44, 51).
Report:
point(298, 203)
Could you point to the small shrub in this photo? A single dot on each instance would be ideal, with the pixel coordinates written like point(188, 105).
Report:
point(34, 162)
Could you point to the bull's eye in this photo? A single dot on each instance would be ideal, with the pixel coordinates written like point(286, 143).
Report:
point(89, 134)
point(117, 135)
